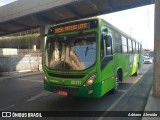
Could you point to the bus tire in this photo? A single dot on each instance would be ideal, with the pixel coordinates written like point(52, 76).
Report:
point(117, 80)
point(135, 74)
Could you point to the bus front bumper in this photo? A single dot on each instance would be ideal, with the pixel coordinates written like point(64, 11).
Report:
point(93, 91)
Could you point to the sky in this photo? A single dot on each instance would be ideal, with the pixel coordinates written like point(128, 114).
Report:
point(137, 22)
point(3, 2)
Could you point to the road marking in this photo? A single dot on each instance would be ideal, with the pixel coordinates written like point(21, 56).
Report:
point(42, 94)
point(121, 90)
point(40, 81)
point(35, 81)
point(2, 109)
point(118, 100)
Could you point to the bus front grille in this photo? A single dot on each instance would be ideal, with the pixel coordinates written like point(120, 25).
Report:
point(65, 76)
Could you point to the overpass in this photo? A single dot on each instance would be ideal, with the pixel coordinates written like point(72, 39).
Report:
point(28, 14)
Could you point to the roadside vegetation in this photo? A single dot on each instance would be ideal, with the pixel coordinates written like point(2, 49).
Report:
point(20, 42)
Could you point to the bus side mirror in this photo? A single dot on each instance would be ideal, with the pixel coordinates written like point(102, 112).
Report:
point(108, 40)
point(105, 30)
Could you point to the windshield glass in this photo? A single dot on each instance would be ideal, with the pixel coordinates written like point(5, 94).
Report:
point(71, 52)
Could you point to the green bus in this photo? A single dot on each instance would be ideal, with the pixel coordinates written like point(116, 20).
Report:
point(88, 58)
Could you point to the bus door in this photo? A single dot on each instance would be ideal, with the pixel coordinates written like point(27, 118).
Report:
point(107, 63)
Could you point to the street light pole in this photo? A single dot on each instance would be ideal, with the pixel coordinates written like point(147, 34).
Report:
point(131, 31)
point(148, 18)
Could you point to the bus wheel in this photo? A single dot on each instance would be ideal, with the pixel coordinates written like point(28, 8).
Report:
point(135, 74)
point(117, 80)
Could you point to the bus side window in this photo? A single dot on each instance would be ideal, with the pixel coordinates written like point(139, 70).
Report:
point(118, 43)
point(140, 48)
point(130, 47)
point(134, 46)
point(124, 44)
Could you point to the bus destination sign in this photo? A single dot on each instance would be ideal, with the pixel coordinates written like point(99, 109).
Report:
point(74, 27)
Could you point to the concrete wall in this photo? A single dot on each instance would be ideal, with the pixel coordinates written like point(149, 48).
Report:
point(8, 51)
point(19, 63)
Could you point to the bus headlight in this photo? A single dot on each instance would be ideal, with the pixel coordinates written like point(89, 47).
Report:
point(90, 80)
point(45, 78)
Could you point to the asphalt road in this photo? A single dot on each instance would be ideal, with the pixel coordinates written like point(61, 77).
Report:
point(27, 94)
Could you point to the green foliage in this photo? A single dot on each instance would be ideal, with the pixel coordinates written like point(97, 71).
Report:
point(20, 41)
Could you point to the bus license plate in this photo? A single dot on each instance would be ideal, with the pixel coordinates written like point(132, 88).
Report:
point(63, 93)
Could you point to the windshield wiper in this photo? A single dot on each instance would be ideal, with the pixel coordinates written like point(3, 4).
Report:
point(87, 49)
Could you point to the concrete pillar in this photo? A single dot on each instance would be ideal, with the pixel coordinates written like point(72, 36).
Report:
point(43, 30)
point(156, 77)
point(34, 47)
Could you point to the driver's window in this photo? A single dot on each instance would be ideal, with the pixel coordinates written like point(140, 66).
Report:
point(106, 42)
point(109, 47)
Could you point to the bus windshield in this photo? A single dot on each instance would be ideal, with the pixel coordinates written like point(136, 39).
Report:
point(70, 52)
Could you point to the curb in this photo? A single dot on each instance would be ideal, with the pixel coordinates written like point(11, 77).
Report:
point(153, 105)
point(20, 75)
